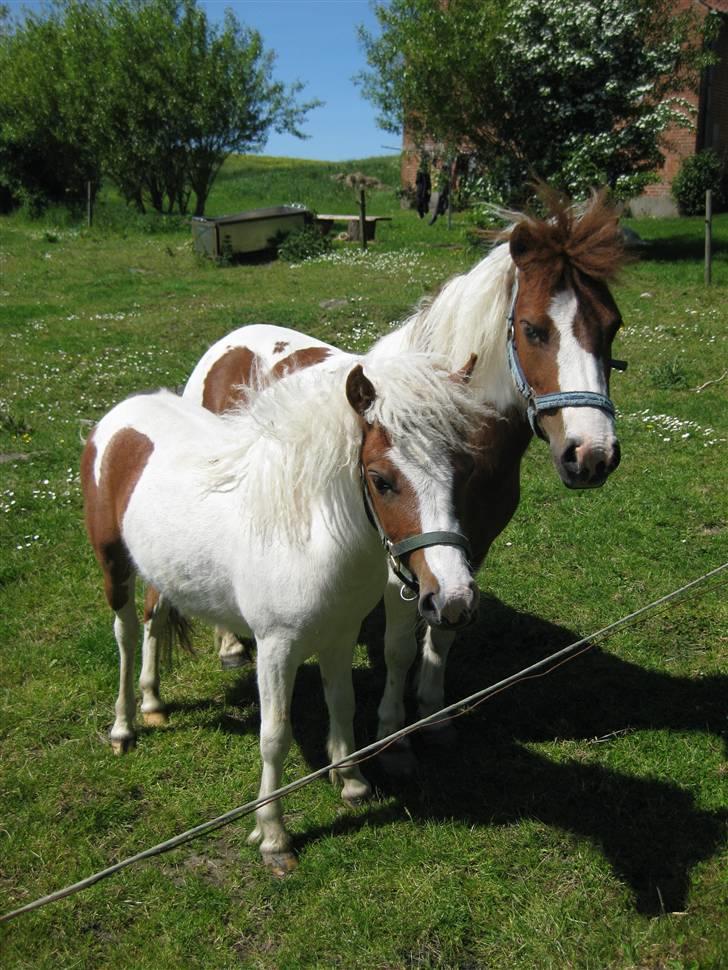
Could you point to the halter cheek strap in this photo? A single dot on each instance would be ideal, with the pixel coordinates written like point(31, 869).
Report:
point(536, 403)
point(397, 549)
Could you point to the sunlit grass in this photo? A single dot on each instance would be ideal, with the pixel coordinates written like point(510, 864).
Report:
point(578, 822)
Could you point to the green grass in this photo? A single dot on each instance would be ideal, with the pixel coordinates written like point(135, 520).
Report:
point(578, 823)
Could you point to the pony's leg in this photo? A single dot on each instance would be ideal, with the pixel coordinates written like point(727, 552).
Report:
point(400, 650)
point(431, 683)
point(156, 614)
point(335, 664)
point(126, 631)
point(233, 651)
point(276, 676)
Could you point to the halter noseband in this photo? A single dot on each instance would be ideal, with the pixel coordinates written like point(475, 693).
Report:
point(558, 399)
point(397, 549)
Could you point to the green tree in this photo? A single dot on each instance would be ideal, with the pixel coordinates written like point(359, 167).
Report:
point(182, 94)
point(578, 92)
point(147, 92)
point(47, 111)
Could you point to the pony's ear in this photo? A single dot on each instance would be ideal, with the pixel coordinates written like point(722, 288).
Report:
point(360, 391)
point(463, 375)
point(521, 242)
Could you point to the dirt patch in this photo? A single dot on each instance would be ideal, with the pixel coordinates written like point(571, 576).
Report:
point(13, 456)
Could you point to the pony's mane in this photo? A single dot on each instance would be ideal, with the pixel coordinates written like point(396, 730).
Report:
point(466, 316)
point(573, 236)
point(291, 440)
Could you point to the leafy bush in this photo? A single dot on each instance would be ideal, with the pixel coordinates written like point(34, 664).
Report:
point(303, 244)
point(697, 174)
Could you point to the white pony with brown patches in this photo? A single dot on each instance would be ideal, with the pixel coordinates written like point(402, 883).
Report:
point(257, 521)
point(538, 313)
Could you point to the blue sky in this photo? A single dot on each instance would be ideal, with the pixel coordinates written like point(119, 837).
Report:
point(316, 42)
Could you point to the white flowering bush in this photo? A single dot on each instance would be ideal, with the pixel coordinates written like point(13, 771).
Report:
point(578, 92)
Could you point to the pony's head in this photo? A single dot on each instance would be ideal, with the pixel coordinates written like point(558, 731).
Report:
point(412, 445)
point(562, 323)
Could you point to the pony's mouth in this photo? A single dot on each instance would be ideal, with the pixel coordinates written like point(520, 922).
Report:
point(443, 624)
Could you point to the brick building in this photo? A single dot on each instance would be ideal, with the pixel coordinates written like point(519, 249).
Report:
point(710, 131)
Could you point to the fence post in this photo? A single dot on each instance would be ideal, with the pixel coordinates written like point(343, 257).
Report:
point(89, 204)
point(363, 219)
point(708, 235)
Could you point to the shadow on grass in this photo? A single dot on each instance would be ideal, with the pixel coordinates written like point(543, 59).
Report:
point(650, 830)
point(672, 248)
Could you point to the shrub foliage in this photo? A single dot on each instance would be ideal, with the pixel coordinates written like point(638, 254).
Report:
point(697, 174)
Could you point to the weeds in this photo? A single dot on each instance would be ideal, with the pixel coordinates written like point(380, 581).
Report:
point(669, 375)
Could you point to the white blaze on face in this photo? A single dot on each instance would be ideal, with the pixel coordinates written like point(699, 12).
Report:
point(579, 370)
point(434, 490)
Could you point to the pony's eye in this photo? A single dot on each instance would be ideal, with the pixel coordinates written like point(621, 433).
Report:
point(535, 335)
point(381, 484)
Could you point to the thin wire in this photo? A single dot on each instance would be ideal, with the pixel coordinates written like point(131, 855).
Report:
point(458, 709)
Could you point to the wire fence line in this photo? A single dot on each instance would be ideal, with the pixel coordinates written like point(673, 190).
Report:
point(463, 706)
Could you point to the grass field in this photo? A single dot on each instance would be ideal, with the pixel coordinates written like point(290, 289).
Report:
point(580, 821)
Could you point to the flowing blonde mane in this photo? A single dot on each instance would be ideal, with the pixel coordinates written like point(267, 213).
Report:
point(293, 442)
point(467, 315)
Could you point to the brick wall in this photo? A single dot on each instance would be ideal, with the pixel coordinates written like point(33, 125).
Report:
point(711, 121)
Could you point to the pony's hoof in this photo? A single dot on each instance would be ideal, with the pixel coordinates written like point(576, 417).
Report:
point(231, 661)
point(398, 759)
point(155, 718)
point(354, 792)
point(440, 735)
point(123, 745)
point(280, 864)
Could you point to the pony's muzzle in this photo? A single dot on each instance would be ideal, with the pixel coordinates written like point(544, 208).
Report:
point(582, 465)
point(450, 612)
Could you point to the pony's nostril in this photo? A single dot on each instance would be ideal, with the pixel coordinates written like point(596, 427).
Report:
point(569, 457)
point(427, 604)
point(616, 457)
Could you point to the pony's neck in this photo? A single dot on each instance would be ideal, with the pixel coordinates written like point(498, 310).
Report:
point(468, 316)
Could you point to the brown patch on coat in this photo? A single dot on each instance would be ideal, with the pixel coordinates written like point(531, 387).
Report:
point(280, 346)
point(487, 493)
point(300, 359)
point(539, 361)
point(151, 598)
point(597, 319)
point(227, 379)
point(105, 504)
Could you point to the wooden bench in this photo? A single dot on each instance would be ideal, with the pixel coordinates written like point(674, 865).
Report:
point(326, 223)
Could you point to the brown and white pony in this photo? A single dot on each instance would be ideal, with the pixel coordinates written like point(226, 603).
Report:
point(538, 313)
point(261, 521)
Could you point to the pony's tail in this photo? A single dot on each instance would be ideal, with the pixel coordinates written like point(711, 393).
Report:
point(179, 630)
point(175, 630)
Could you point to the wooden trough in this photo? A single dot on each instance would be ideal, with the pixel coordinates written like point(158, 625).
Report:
point(246, 232)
